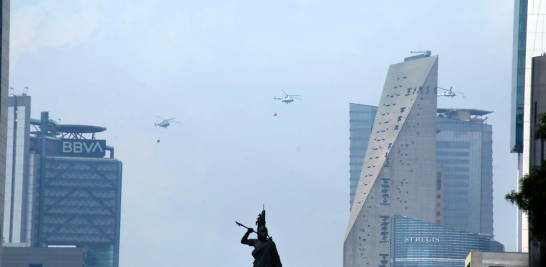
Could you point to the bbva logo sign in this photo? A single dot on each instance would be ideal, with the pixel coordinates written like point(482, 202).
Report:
point(84, 148)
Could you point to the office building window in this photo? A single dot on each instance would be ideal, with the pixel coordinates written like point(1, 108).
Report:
point(439, 181)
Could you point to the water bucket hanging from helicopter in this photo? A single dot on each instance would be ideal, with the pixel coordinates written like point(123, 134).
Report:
point(164, 124)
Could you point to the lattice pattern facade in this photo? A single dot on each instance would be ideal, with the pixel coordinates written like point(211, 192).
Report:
point(81, 206)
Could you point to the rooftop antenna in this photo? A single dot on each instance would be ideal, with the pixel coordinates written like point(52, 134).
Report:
point(12, 90)
point(25, 91)
point(426, 53)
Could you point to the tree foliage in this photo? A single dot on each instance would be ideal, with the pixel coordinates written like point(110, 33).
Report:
point(531, 197)
point(540, 132)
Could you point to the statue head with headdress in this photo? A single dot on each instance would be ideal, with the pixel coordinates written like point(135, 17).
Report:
point(262, 230)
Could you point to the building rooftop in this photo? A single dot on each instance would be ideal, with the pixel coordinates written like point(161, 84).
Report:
point(70, 128)
point(473, 112)
point(74, 128)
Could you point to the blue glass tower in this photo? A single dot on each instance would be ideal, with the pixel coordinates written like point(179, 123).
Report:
point(76, 191)
point(82, 204)
point(464, 150)
point(464, 160)
point(361, 118)
point(63, 190)
point(416, 243)
point(518, 74)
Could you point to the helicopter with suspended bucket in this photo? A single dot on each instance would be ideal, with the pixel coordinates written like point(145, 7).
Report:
point(165, 123)
point(449, 92)
point(287, 98)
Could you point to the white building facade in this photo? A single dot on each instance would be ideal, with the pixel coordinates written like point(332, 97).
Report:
point(399, 171)
point(18, 190)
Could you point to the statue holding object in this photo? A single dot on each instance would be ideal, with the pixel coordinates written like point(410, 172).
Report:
point(265, 251)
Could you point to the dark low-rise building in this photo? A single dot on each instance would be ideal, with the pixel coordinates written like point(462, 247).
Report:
point(495, 259)
point(43, 257)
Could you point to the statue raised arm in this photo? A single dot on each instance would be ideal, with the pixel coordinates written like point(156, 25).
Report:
point(265, 251)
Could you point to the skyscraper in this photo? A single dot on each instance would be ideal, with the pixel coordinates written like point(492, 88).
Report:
point(79, 192)
point(4, 87)
point(398, 174)
point(537, 254)
point(464, 162)
point(17, 215)
point(528, 42)
point(361, 118)
point(61, 189)
point(464, 151)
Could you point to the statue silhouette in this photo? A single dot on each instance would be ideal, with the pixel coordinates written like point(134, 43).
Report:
point(265, 251)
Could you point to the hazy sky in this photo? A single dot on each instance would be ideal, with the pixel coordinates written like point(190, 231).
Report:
point(215, 65)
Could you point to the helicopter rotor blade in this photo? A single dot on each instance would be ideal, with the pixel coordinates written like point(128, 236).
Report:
point(284, 92)
point(297, 98)
point(175, 121)
point(170, 119)
point(159, 117)
point(293, 95)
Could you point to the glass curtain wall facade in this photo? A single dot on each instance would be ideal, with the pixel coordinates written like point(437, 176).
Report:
point(4, 89)
point(518, 74)
point(55, 199)
point(416, 243)
point(464, 151)
point(82, 204)
point(361, 118)
point(529, 41)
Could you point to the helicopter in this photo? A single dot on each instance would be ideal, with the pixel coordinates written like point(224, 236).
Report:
point(449, 93)
point(165, 123)
point(288, 98)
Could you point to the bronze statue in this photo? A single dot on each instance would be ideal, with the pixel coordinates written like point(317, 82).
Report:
point(265, 252)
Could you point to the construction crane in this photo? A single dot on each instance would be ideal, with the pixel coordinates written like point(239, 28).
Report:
point(426, 53)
